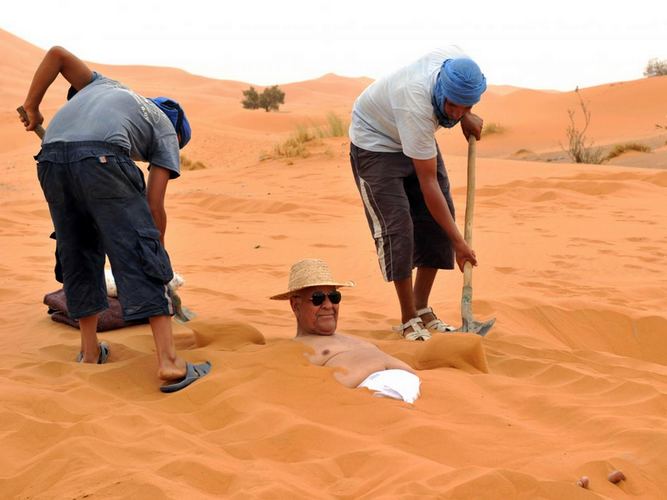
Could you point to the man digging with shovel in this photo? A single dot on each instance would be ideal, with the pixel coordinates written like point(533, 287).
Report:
point(100, 204)
point(402, 179)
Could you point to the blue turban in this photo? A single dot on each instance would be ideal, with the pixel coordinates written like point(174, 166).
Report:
point(460, 81)
point(176, 116)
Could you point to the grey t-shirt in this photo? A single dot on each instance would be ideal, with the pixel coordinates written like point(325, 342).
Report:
point(395, 114)
point(106, 110)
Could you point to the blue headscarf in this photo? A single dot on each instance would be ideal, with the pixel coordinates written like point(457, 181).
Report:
point(461, 82)
point(176, 116)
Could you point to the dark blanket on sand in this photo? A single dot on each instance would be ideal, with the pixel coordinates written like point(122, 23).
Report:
point(110, 319)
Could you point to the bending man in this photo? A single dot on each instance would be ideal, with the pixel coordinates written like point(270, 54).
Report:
point(99, 202)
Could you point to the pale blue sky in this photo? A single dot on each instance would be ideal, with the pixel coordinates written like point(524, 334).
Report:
point(544, 45)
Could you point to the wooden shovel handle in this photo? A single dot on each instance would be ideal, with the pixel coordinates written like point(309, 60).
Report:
point(39, 130)
point(470, 206)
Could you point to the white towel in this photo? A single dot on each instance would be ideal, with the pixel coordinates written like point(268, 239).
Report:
point(395, 383)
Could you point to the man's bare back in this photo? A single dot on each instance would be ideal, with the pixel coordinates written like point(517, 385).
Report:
point(356, 358)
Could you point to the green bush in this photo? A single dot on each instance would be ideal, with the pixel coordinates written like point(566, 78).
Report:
point(270, 99)
point(251, 100)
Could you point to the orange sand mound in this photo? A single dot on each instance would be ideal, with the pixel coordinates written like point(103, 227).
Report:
point(571, 381)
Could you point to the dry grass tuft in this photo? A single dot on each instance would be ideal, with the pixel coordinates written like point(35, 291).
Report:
point(619, 149)
point(492, 128)
point(187, 164)
point(296, 146)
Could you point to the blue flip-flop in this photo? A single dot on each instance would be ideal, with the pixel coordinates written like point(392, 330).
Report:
point(104, 354)
point(192, 373)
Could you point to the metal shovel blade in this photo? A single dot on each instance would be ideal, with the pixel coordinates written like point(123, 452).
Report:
point(181, 313)
point(481, 328)
point(470, 325)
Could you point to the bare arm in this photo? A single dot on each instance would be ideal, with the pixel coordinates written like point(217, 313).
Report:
point(56, 61)
point(156, 189)
point(437, 205)
point(353, 367)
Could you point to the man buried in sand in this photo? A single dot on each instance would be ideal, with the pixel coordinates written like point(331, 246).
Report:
point(315, 300)
point(402, 178)
point(100, 204)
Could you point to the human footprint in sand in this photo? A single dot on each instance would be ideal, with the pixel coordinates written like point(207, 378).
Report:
point(402, 178)
point(100, 204)
point(315, 300)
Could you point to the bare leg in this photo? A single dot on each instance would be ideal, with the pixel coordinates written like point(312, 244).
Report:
point(170, 365)
point(406, 299)
point(89, 344)
point(423, 286)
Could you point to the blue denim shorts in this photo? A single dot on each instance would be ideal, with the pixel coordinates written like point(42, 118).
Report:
point(97, 199)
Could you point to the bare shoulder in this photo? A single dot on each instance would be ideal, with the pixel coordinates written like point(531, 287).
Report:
point(305, 341)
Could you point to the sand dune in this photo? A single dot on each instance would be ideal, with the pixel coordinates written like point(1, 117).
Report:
point(571, 381)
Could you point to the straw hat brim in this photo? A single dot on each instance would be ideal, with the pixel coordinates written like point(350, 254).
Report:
point(289, 293)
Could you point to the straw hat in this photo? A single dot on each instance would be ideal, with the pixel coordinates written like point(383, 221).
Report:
point(309, 272)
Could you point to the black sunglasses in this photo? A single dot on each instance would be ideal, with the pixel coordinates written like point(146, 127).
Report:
point(317, 298)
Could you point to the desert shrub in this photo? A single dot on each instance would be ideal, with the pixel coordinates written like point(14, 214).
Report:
point(656, 67)
point(619, 149)
point(251, 99)
point(270, 99)
point(492, 128)
point(577, 149)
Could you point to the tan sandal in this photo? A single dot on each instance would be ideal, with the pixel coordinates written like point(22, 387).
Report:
point(435, 324)
point(418, 332)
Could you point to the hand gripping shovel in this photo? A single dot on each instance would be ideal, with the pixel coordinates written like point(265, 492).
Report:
point(181, 313)
point(469, 324)
point(39, 130)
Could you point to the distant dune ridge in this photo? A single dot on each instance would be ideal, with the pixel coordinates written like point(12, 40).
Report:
point(571, 381)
